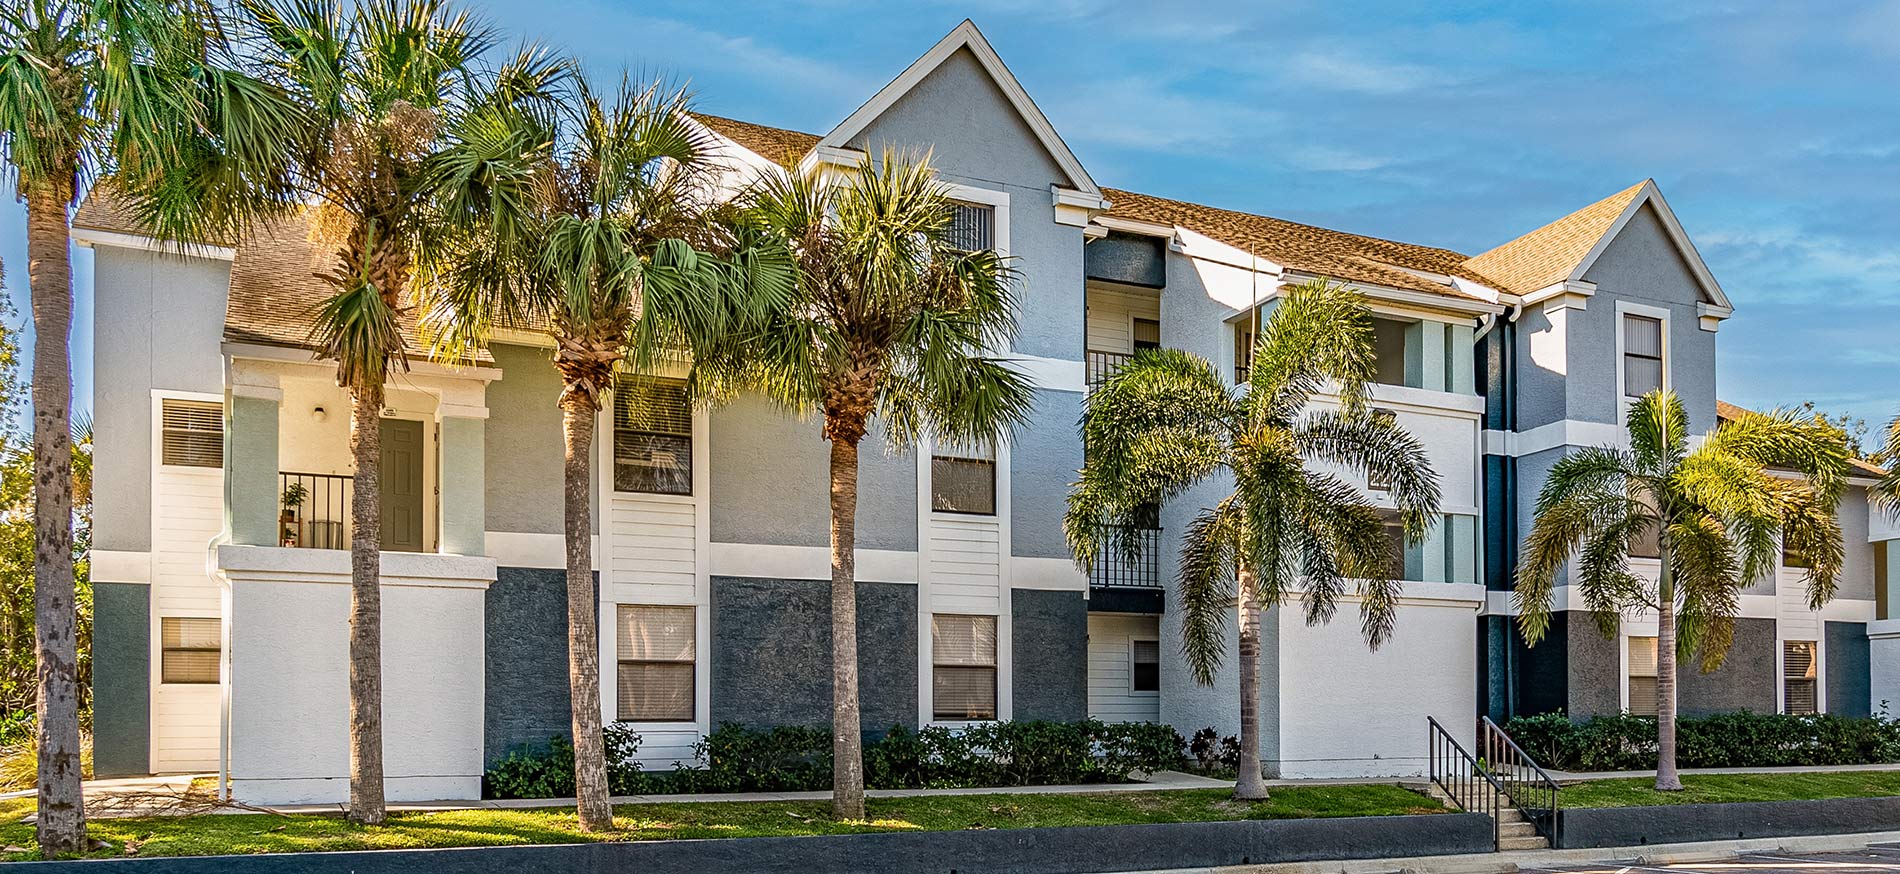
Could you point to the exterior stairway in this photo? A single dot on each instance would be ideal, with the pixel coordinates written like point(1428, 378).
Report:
point(1514, 831)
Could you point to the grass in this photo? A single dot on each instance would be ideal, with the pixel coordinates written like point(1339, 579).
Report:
point(265, 833)
point(1708, 788)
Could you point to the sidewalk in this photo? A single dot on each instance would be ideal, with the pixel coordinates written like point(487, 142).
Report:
point(1791, 769)
point(1510, 862)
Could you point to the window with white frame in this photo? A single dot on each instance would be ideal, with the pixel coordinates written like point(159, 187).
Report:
point(972, 227)
point(1642, 676)
point(963, 666)
point(963, 482)
point(1374, 481)
point(1144, 666)
point(653, 436)
point(656, 663)
point(191, 433)
point(1800, 661)
point(1642, 355)
point(1647, 543)
point(188, 649)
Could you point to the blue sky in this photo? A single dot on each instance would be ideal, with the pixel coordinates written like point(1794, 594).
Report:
point(1773, 129)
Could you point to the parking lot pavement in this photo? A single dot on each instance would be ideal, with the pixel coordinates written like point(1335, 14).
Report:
point(1872, 860)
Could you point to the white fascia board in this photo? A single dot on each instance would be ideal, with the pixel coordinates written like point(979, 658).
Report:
point(1076, 208)
point(298, 355)
point(92, 238)
point(1138, 227)
point(1420, 299)
point(964, 36)
point(1202, 247)
point(828, 157)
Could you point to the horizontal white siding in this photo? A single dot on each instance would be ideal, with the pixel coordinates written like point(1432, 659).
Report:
point(652, 540)
point(1110, 316)
point(965, 569)
point(1110, 658)
point(187, 511)
point(187, 719)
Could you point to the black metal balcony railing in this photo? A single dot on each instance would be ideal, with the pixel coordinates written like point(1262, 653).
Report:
point(1114, 569)
point(1101, 364)
point(314, 510)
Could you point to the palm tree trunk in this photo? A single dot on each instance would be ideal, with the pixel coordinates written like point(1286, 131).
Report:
point(1667, 780)
point(583, 625)
point(61, 825)
point(366, 606)
point(1249, 784)
point(847, 754)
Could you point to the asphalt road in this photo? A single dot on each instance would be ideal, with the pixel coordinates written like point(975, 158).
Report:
point(1873, 860)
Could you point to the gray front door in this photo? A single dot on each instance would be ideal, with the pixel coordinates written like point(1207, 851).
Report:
point(402, 485)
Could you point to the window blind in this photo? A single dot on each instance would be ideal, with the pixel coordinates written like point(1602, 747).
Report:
point(653, 436)
point(963, 485)
point(1642, 676)
point(1799, 674)
point(656, 647)
point(972, 227)
point(189, 649)
point(1145, 672)
point(1642, 355)
point(963, 655)
point(191, 433)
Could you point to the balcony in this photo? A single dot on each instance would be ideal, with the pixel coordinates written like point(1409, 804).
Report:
point(314, 510)
point(1120, 584)
point(1100, 364)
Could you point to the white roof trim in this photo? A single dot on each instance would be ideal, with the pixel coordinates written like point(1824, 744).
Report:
point(966, 36)
point(1653, 196)
point(92, 238)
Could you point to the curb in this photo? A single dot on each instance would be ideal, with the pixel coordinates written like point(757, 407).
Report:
point(1513, 861)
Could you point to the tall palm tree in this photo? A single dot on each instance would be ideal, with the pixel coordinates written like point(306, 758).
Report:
point(1887, 492)
point(1716, 511)
point(387, 84)
point(619, 253)
point(147, 91)
point(1166, 422)
point(890, 320)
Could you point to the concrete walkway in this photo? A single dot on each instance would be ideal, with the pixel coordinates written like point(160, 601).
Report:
point(1793, 769)
point(1616, 859)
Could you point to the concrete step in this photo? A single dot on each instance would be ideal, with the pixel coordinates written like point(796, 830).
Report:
point(1516, 829)
point(1531, 843)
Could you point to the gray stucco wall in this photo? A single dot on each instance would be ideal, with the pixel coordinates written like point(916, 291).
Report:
point(121, 679)
point(139, 296)
point(1857, 567)
point(771, 653)
point(1849, 666)
point(771, 482)
point(525, 650)
point(1746, 680)
point(1595, 669)
point(1049, 646)
point(1044, 459)
point(524, 445)
point(977, 138)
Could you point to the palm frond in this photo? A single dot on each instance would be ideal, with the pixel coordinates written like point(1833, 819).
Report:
point(1209, 558)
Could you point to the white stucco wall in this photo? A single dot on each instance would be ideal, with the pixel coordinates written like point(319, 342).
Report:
point(1347, 711)
point(289, 706)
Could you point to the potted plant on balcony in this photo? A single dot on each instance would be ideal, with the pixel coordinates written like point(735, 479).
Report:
point(294, 495)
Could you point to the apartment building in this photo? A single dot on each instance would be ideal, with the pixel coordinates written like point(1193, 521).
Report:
point(223, 476)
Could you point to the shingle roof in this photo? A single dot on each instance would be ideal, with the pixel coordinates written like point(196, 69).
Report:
point(1335, 254)
point(1727, 412)
point(783, 146)
point(1545, 257)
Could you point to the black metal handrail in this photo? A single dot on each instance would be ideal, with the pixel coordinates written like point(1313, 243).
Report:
point(1530, 788)
point(1115, 569)
point(1101, 364)
point(1462, 777)
point(314, 510)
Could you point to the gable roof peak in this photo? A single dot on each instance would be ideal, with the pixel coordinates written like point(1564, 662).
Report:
point(964, 36)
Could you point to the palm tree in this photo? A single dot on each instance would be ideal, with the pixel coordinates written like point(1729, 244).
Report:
point(1166, 422)
point(1715, 511)
point(387, 84)
point(618, 252)
point(150, 92)
point(888, 320)
point(1887, 492)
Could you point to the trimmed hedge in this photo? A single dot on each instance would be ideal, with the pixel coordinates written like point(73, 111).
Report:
point(1727, 740)
point(789, 759)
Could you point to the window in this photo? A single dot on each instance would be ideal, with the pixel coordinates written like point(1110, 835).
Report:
point(192, 433)
point(972, 227)
point(963, 666)
point(1792, 558)
point(189, 649)
point(1243, 353)
point(1388, 346)
point(1648, 542)
point(653, 436)
point(656, 654)
point(1144, 669)
point(1147, 334)
point(961, 484)
point(1799, 659)
point(1374, 481)
point(1396, 542)
point(1642, 676)
point(1642, 355)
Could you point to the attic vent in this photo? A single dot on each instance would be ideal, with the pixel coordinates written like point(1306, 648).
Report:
point(972, 228)
point(192, 433)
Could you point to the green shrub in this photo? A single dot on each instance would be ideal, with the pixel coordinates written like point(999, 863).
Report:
point(788, 759)
point(1726, 740)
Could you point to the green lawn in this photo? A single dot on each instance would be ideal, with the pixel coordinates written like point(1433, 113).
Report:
point(1702, 788)
point(265, 833)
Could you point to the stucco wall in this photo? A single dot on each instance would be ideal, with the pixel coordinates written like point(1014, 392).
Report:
point(1857, 567)
point(1849, 669)
point(1595, 674)
point(121, 679)
point(1746, 681)
point(525, 692)
point(1044, 460)
point(771, 652)
point(1049, 640)
point(139, 296)
point(771, 482)
point(524, 445)
point(1642, 265)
